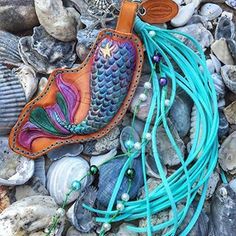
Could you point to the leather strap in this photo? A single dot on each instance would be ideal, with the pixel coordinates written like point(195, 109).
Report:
point(127, 16)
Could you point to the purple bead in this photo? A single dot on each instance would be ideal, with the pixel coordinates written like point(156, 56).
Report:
point(163, 81)
point(157, 58)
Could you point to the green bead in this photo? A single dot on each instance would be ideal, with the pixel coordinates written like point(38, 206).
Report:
point(93, 170)
point(76, 185)
point(130, 173)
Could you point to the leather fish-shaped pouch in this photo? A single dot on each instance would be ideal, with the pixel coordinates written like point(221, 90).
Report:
point(86, 103)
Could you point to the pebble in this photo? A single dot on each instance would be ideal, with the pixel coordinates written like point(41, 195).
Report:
point(230, 113)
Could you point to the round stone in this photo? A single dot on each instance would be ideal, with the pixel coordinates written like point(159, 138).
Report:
point(137, 146)
point(106, 227)
point(120, 206)
point(148, 136)
point(163, 81)
point(76, 185)
point(93, 170)
point(147, 85)
point(143, 97)
point(125, 197)
point(152, 33)
point(130, 173)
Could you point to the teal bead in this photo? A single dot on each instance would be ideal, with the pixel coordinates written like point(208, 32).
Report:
point(76, 185)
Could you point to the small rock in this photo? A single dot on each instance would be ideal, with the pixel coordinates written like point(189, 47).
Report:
point(223, 125)
point(211, 11)
point(221, 50)
point(42, 84)
point(229, 76)
point(230, 113)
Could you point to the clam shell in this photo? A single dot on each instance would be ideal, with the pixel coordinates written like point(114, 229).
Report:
point(12, 99)
point(109, 173)
point(223, 211)
point(229, 76)
point(129, 134)
point(225, 28)
point(69, 150)
point(45, 53)
point(211, 11)
point(15, 169)
point(9, 53)
point(29, 216)
point(62, 173)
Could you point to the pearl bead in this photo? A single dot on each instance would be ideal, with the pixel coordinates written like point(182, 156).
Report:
point(129, 143)
point(125, 197)
point(130, 173)
point(147, 85)
point(148, 136)
point(143, 97)
point(137, 146)
point(106, 227)
point(167, 102)
point(152, 33)
point(120, 206)
point(60, 211)
point(76, 185)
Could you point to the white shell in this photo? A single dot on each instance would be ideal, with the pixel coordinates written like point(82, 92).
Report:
point(219, 85)
point(211, 11)
point(42, 84)
point(184, 15)
point(229, 76)
point(227, 154)
point(28, 216)
point(221, 50)
point(101, 159)
point(57, 20)
point(28, 79)
point(15, 169)
point(62, 173)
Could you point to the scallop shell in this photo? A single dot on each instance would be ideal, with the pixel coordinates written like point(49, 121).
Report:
point(45, 53)
point(9, 53)
point(229, 76)
point(29, 216)
point(223, 211)
point(129, 134)
point(15, 169)
point(109, 174)
point(12, 99)
point(62, 173)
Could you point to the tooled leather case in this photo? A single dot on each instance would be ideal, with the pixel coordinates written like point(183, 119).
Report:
point(83, 104)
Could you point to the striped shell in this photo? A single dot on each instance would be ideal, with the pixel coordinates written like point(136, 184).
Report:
point(12, 99)
point(219, 85)
point(62, 173)
point(229, 76)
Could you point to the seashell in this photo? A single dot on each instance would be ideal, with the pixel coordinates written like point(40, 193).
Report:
point(143, 111)
point(69, 150)
point(104, 144)
point(62, 173)
point(199, 32)
point(29, 216)
point(223, 125)
point(219, 85)
point(167, 154)
point(28, 79)
point(101, 159)
point(12, 99)
point(4, 198)
point(227, 156)
point(15, 169)
point(24, 15)
point(231, 3)
point(39, 170)
point(180, 114)
point(216, 63)
point(195, 2)
point(57, 20)
point(221, 104)
point(9, 53)
point(210, 66)
point(73, 232)
point(227, 14)
point(129, 136)
point(225, 29)
point(197, 19)
point(42, 84)
point(211, 11)
point(212, 184)
point(223, 211)
point(229, 74)
point(81, 218)
point(221, 50)
point(33, 187)
point(230, 113)
point(184, 15)
point(82, 51)
point(109, 173)
point(45, 53)
point(232, 48)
